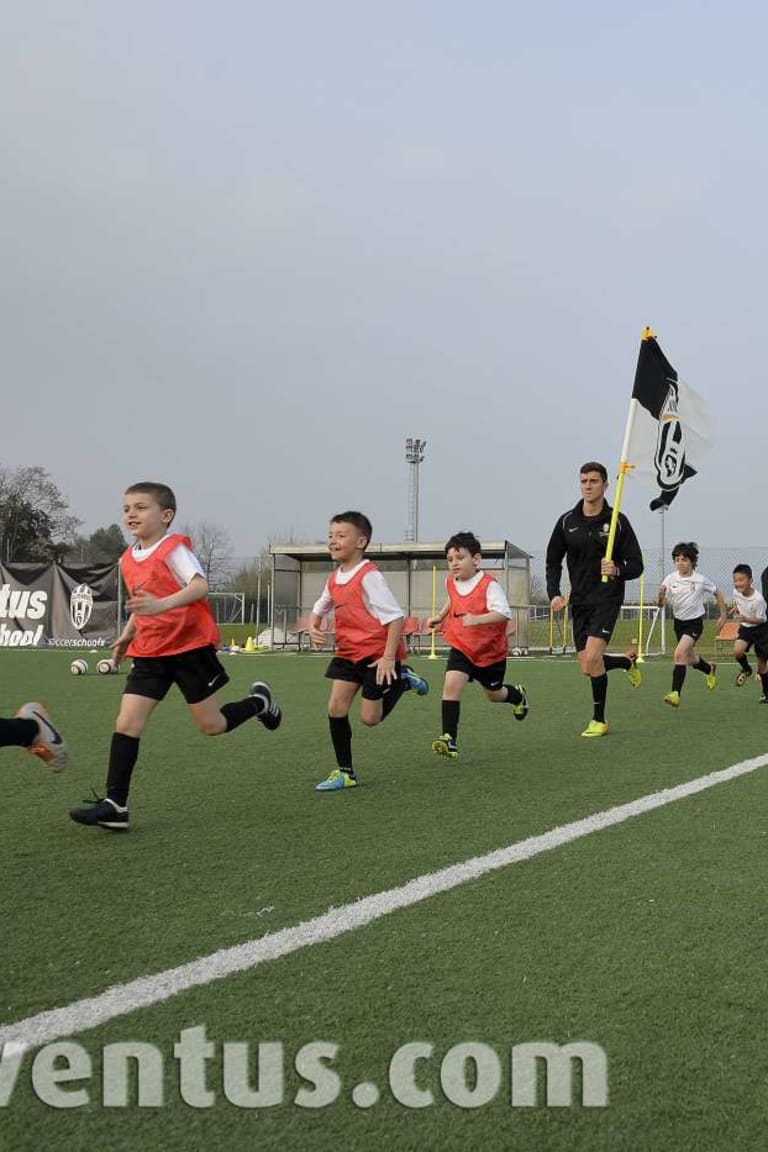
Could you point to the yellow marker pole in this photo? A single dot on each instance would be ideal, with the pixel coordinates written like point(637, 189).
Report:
point(640, 658)
point(432, 653)
point(565, 615)
point(551, 630)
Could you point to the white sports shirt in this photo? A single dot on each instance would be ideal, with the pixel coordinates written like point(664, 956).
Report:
point(685, 594)
point(753, 605)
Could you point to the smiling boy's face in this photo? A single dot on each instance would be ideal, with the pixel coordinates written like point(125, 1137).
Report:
point(144, 518)
point(345, 541)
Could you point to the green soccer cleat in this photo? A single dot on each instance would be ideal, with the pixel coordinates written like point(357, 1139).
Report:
point(673, 699)
point(595, 728)
point(634, 674)
point(445, 745)
point(337, 781)
point(520, 711)
point(711, 680)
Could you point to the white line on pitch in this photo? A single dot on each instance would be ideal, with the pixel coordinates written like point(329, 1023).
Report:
point(148, 990)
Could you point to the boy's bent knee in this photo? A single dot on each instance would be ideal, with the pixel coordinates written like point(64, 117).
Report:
point(212, 727)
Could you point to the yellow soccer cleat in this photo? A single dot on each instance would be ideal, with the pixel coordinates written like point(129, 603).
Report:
point(673, 699)
point(633, 672)
point(711, 680)
point(595, 728)
point(445, 745)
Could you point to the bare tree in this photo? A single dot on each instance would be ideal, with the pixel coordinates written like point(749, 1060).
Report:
point(34, 515)
point(213, 548)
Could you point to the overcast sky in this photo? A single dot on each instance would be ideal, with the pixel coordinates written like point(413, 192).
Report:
point(248, 248)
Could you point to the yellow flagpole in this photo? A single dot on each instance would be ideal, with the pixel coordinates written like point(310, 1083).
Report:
point(624, 467)
point(551, 630)
point(432, 653)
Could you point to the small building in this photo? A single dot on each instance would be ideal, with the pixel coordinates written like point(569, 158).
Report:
point(415, 573)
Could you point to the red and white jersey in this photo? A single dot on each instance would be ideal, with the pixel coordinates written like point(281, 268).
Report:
point(363, 607)
point(483, 644)
point(180, 629)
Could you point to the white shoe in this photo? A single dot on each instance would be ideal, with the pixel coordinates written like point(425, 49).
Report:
point(50, 746)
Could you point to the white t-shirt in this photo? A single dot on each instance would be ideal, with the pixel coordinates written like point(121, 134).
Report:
point(753, 606)
point(685, 594)
point(377, 595)
point(495, 598)
point(182, 563)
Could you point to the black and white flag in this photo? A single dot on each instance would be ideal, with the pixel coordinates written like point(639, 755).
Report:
point(672, 429)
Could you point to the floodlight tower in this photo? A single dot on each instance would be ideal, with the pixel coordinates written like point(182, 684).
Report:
point(414, 454)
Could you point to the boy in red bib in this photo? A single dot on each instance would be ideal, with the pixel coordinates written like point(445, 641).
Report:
point(477, 617)
point(368, 623)
point(172, 637)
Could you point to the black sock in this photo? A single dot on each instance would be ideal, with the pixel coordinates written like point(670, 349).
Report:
point(238, 711)
point(612, 662)
point(743, 663)
point(678, 676)
point(514, 695)
point(20, 732)
point(764, 682)
point(392, 695)
point(599, 693)
point(451, 710)
point(702, 666)
point(123, 754)
point(341, 738)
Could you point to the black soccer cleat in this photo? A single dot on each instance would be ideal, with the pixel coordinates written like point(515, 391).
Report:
point(102, 813)
point(270, 715)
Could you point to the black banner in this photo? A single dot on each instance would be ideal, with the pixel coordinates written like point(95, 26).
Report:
point(66, 605)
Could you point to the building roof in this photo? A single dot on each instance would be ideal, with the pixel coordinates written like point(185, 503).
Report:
point(492, 550)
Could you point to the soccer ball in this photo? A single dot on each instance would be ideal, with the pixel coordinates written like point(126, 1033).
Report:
point(517, 651)
point(79, 667)
point(105, 667)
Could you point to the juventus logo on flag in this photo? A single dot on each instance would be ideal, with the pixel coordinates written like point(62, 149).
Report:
point(671, 430)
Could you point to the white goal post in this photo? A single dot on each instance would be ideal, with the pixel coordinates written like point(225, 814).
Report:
point(227, 607)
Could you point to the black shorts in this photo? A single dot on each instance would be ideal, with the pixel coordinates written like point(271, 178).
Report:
point(360, 672)
point(756, 634)
point(198, 673)
point(692, 628)
point(491, 676)
point(597, 620)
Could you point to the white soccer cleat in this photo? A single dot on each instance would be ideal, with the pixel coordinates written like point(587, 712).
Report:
point(50, 746)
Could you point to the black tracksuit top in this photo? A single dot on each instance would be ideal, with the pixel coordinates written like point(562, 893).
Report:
point(581, 540)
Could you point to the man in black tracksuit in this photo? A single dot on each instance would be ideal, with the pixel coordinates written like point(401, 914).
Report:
point(580, 537)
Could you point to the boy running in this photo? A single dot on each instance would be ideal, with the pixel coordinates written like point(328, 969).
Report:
point(684, 590)
point(172, 637)
point(368, 623)
point(477, 617)
point(749, 608)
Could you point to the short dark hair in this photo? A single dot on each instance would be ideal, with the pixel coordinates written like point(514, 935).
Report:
point(359, 520)
point(466, 540)
point(161, 492)
point(594, 466)
point(689, 550)
point(743, 570)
